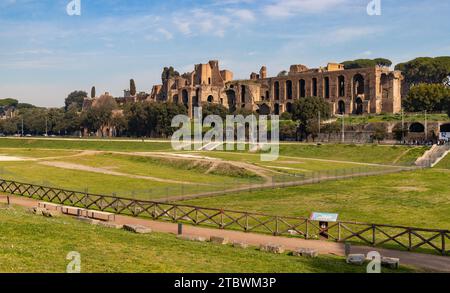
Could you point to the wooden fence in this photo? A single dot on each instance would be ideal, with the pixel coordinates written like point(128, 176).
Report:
point(408, 238)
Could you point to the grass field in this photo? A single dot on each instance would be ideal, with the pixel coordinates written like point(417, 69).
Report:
point(417, 198)
point(407, 198)
point(408, 117)
point(445, 163)
point(150, 170)
point(86, 144)
point(352, 153)
point(30, 243)
point(378, 154)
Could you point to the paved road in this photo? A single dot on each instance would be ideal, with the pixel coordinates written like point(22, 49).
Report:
point(425, 261)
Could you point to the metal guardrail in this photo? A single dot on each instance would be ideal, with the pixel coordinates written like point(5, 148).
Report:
point(407, 238)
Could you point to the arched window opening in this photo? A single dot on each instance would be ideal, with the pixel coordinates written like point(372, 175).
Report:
point(326, 88)
point(359, 85)
point(314, 87)
point(341, 86)
point(359, 107)
point(289, 89)
point(341, 107)
point(277, 90)
point(302, 88)
point(417, 128)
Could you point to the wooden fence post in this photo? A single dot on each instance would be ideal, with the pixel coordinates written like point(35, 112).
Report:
point(307, 229)
point(339, 231)
point(409, 239)
point(443, 242)
point(373, 235)
point(276, 233)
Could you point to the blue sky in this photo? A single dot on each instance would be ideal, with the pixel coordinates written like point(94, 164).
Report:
point(45, 54)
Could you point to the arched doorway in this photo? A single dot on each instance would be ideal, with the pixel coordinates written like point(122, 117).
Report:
point(277, 109)
point(341, 107)
point(444, 132)
point(175, 99)
point(314, 87)
point(231, 97)
point(185, 98)
point(326, 87)
point(445, 128)
point(358, 84)
point(210, 99)
point(276, 87)
point(243, 93)
point(359, 109)
point(417, 128)
point(264, 109)
point(341, 86)
point(289, 89)
point(289, 108)
point(302, 85)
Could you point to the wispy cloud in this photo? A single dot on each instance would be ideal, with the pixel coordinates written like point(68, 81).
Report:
point(286, 8)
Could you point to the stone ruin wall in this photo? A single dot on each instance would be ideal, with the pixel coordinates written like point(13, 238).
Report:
point(381, 91)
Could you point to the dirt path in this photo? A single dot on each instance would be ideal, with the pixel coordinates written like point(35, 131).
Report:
point(425, 261)
point(78, 167)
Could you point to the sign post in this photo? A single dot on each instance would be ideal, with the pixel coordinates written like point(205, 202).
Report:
point(324, 219)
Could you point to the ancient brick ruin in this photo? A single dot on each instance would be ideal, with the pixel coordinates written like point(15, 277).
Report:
point(354, 91)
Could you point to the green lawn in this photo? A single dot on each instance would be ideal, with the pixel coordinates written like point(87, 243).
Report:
point(352, 153)
point(416, 198)
point(408, 117)
point(193, 177)
point(445, 163)
point(304, 166)
point(35, 153)
point(30, 243)
point(166, 168)
point(86, 144)
point(379, 154)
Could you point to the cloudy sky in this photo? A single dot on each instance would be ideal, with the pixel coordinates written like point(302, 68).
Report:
point(45, 53)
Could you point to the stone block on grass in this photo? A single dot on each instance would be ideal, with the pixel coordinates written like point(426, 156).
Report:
point(110, 225)
point(219, 240)
point(240, 245)
point(74, 211)
point(272, 248)
point(88, 220)
point(98, 215)
point(306, 252)
point(356, 259)
point(37, 211)
point(139, 229)
point(51, 213)
point(49, 206)
point(390, 262)
point(192, 238)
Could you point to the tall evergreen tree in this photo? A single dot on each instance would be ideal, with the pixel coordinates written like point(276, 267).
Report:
point(93, 92)
point(132, 87)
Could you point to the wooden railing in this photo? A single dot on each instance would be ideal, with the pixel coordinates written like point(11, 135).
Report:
point(408, 238)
